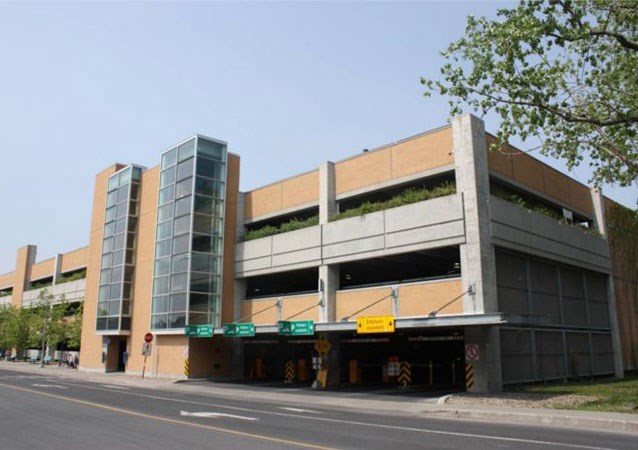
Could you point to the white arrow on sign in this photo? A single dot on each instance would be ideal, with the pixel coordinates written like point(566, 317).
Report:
point(214, 415)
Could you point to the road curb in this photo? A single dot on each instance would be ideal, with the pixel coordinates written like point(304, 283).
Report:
point(542, 417)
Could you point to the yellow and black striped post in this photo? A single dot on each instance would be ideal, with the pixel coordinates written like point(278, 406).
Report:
point(187, 369)
point(405, 375)
point(289, 372)
point(469, 376)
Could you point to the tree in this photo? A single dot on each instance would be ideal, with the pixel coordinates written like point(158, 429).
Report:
point(563, 71)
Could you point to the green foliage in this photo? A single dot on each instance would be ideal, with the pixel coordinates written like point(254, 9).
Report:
point(72, 277)
point(40, 285)
point(74, 331)
point(5, 293)
point(559, 70)
point(411, 195)
point(269, 230)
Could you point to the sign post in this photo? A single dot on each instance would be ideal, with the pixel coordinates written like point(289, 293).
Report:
point(146, 350)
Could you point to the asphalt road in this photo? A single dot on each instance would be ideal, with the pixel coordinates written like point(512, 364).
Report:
point(40, 412)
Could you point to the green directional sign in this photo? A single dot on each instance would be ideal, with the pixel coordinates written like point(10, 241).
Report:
point(199, 331)
point(239, 329)
point(296, 328)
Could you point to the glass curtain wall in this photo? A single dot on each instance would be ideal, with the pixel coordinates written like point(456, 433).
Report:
point(189, 235)
point(118, 251)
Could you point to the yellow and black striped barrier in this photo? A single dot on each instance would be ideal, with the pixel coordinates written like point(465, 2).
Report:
point(469, 376)
point(187, 369)
point(405, 374)
point(289, 372)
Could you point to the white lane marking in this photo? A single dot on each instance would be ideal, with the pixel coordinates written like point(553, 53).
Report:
point(363, 424)
point(299, 410)
point(115, 387)
point(215, 415)
point(57, 386)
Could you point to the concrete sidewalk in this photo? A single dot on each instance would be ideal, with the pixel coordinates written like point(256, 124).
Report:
point(360, 401)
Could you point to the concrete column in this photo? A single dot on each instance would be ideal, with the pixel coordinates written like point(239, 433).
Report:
point(334, 362)
point(487, 369)
point(598, 203)
point(478, 268)
point(57, 269)
point(328, 284)
point(327, 195)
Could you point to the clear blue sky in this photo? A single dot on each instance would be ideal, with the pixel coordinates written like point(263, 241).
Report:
point(287, 85)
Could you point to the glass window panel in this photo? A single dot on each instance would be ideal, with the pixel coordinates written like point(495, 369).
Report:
point(132, 223)
point(111, 198)
point(182, 225)
point(162, 266)
point(186, 150)
point(160, 304)
point(130, 257)
point(180, 263)
point(203, 204)
point(180, 244)
point(184, 187)
point(132, 209)
point(127, 291)
point(166, 195)
point(126, 307)
point(128, 275)
point(114, 308)
point(167, 177)
point(135, 190)
point(197, 319)
point(114, 182)
point(178, 302)
point(125, 176)
point(209, 168)
point(120, 225)
point(102, 308)
point(177, 320)
point(107, 245)
point(198, 302)
point(118, 242)
point(209, 148)
point(126, 323)
point(178, 282)
point(100, 324)
point(110, 214)
point(109, 229)
point(105, 276)
point(131, 239)
point(183, 206)
point(115, 292)
point(164, 230)
point(209, 187)
point(116, 274)
point(163, 248)
point(121, 210)
point(103, 293)
point(207, 244)
point(159, 321)
point(112, 323)
point(107, 260)
point(169, 158)
point(137, 173)
point(202, 262)
point(165, 212)
point(122, 193)
point(160, 286)
point(202, 224)
point(202, 282)
point(185, 169)
point(117, 257)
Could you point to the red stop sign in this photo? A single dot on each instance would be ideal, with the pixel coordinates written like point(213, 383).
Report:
point(148, 337)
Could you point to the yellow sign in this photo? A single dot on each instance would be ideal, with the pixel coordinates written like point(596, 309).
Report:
point(322, 345)
point(375, 324)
